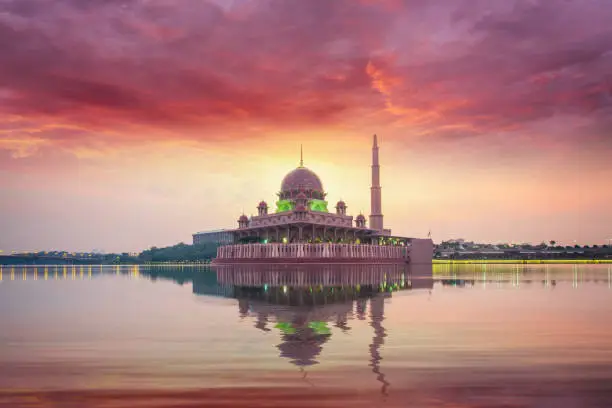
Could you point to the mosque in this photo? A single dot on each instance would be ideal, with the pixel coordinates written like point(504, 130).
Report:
point(302, 227)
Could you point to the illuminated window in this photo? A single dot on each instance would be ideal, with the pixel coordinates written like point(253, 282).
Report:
point(318, 205)
point(283, 206)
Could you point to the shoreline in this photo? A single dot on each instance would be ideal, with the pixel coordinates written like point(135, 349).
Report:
point(521, 261)
point(434, 262)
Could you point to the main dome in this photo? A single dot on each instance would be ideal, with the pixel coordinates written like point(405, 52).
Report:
point(301, 177)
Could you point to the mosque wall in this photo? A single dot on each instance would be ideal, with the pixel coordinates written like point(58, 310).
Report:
point(305, 251)
point(421, 251)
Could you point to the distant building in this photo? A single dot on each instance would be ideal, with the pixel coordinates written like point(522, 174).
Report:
point(217, 237)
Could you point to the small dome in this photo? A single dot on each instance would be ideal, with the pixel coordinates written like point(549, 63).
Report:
point(341, 204)
point(243, 218)
point(302, 178)
point(262, 204)
point(360, 217)
point(301, 196)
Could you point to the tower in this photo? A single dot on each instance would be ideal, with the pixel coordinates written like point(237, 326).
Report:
point(341, 208)
point(376, 217)
point(243, 221)
point(262, 208)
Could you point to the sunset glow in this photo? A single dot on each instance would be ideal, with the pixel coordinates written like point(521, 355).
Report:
point(131, 123)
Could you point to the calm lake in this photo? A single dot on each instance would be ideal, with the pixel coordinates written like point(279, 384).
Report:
point(337, 336)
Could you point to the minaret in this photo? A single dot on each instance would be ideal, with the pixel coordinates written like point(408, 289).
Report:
point(376, 217)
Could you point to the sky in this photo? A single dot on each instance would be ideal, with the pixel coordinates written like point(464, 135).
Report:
point(131, 123)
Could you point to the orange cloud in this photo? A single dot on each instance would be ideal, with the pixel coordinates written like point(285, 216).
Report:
point(96, 95)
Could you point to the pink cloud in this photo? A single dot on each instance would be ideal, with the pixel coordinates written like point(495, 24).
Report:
point(477, 83)
point(125, 65)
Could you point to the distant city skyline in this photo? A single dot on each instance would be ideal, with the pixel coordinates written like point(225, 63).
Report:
point(126, 125)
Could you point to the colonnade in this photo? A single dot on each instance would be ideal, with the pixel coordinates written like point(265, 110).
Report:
point(303, 250)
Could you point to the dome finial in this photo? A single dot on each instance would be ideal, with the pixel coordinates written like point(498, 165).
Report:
point(301, 156)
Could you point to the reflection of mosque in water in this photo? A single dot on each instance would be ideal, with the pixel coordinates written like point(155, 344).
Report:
point(302, 301)
point(306, 303)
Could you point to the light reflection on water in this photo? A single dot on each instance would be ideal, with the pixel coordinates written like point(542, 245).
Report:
point(477, 335)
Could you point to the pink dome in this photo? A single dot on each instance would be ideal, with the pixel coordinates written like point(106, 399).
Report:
point(263, 204)
point(301, 178)
point(360, 217)
point(341, 204)
point(243, 218)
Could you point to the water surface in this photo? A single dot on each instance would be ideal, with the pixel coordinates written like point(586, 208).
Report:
point(466, 336)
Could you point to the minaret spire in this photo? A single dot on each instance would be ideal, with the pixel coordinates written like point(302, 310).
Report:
point(376, 217)
point(301, 156)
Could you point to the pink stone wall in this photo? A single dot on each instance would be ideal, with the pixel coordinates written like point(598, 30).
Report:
point(421, 251)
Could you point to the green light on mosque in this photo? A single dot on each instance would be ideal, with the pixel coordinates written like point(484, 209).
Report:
point(284, 206)
point(313, 204)
point(318, 205)
point(285, 327)
point(316, 326)
point(319, 327)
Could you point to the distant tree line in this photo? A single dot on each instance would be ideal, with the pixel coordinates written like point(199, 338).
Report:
point(177, 253)
point(180, 252)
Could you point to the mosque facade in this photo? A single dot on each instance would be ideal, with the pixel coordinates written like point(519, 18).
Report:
point(301, 218)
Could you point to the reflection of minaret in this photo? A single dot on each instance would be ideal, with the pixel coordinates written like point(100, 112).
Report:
point(376, 217)
point(377, 315)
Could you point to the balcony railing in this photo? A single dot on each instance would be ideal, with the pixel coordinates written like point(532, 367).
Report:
point(326, 251)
